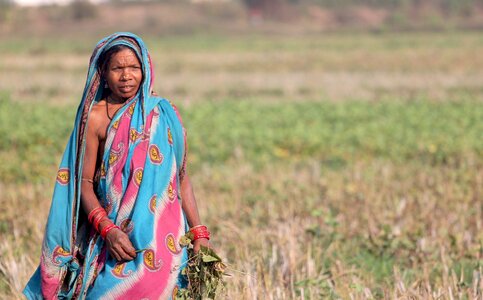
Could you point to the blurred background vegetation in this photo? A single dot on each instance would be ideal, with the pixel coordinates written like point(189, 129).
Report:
point(296, 16)
point(335, 146)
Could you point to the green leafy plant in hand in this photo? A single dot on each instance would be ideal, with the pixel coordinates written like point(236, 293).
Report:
point(204, 271)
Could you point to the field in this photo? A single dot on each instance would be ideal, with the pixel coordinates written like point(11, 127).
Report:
point(338, 166)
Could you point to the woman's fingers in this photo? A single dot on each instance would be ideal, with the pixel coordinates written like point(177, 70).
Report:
point(126, 256)
point(120, 255)
point(129, 249)
point(201, 242)
point(115, 255)
point(126, 250)
point(126, 247)
point(120, 246)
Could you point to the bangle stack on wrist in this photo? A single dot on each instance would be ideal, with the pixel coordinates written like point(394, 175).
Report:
point(96, 216)
point(200, 232)
point(108, 228)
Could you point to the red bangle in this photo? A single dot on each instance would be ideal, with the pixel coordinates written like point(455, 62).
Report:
point(98, 221)
point(200, 232)
point(94, 212)
point(108, 228)
point(97, 217)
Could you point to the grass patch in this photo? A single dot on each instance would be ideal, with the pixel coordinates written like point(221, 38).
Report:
point(335, 134)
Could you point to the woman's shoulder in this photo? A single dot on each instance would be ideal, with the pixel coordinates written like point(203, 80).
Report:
point(97, 117)
point(98, 110)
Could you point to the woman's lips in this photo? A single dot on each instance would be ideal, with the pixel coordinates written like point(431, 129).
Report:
point(126, 88)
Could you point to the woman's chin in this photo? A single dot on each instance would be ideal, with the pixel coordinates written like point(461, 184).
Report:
point(124, 96)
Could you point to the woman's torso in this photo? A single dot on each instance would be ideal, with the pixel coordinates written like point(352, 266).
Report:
point(102, 114)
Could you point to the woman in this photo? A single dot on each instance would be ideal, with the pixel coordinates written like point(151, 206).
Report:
point(116, 214)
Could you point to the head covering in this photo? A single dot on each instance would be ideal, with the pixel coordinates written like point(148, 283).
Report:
point(94, 88)
point(144, 155)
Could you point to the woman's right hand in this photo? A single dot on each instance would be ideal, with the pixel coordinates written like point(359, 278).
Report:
point(119, 245)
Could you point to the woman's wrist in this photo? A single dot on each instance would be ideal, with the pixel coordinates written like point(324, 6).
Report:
point(196, 226)
point(107, 229)
point(199, 232)
point(103, 224)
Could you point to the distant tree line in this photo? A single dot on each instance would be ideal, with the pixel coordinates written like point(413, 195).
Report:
point(444, 5)
point(258, 10)
point(381, 3)
point(267, 8)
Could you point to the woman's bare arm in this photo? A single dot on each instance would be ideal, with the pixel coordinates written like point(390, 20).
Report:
point(117, 241)
point(189, 202)
point(190, 209)
point(88, 197)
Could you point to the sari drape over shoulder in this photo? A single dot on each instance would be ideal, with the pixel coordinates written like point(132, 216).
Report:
point(138, 185)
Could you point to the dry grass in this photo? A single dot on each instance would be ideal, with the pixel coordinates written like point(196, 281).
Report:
point(306, 233)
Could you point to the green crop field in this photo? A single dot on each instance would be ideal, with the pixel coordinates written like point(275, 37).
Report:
point(339, 166)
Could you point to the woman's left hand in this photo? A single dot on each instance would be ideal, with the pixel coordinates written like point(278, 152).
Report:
point(200, 242)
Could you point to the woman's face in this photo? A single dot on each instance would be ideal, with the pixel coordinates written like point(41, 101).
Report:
point(124, 75)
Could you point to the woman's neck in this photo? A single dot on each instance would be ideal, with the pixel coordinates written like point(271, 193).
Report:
point(111, 100)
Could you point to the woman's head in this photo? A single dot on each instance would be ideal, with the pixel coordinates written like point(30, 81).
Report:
point(121, 69)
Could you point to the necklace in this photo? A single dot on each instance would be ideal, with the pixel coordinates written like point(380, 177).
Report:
point(107, 108)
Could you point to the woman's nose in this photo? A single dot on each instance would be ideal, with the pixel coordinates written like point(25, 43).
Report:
point(125, 75)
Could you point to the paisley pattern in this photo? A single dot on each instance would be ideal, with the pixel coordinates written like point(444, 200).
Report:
point(172, 244)
point(150, 261)
point(170, 136)
point(127, 226)
point(114, 155)
point(131, 110)
point(59, 252)
point(103, 170)
point(138, 176)
point(135, 135)
point(155, 155)
point(152, 204)
point(119, 272)
point(63, 176)
point(171, 192)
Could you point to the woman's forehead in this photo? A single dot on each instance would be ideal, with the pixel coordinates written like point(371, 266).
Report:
point(126, 55)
